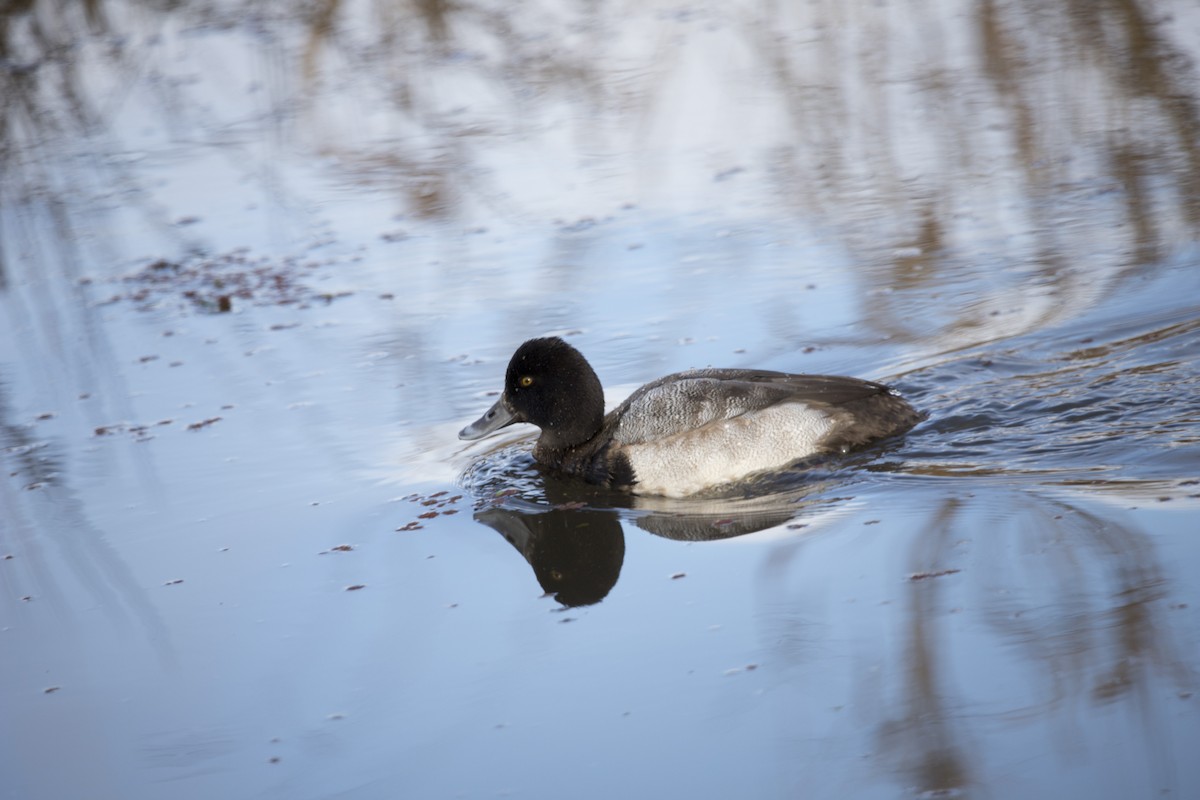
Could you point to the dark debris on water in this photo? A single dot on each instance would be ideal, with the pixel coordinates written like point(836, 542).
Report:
point(139, 431)
point(920, 576)
point(437, 504)
point(216, 284)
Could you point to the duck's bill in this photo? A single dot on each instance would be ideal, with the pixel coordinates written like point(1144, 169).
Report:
point(493, 419)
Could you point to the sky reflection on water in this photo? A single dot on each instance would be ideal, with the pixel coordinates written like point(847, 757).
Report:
point(258, 265)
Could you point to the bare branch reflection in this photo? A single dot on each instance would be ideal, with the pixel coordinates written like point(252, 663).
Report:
point(927, 741)
point(1081, 601)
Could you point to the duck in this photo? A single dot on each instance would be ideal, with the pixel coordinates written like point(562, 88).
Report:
point(690, 431)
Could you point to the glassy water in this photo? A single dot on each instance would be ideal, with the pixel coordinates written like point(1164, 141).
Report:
point(259, 264)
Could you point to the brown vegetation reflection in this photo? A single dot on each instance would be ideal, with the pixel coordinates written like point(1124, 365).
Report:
point(890, 134)
point(926, 740)
point(1104, 635)
point(1081, 600)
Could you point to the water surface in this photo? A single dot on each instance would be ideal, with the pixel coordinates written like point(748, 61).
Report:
point(259, 265)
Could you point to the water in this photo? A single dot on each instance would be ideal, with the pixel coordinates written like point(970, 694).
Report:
point(258, 267)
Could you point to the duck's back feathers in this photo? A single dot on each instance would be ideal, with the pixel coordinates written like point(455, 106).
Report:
point(689, 400)
point(700, 428)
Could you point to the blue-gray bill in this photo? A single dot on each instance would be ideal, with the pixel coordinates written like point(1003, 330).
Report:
point(493, 419)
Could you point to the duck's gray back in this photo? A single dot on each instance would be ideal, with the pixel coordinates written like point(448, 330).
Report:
point(687, 401)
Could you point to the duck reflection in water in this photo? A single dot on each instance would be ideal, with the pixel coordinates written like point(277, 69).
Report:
point(576, 554)
point(575, 541)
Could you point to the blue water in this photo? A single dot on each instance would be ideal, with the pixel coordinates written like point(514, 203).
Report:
point(256, 271)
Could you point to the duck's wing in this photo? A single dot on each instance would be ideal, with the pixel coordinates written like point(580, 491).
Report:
point(833, 390)
point(691, 400)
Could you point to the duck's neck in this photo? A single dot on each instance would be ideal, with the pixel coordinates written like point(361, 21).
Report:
point(583, 457)
point(574, 431)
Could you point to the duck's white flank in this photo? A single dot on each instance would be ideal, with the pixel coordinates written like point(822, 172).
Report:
point(727, 450)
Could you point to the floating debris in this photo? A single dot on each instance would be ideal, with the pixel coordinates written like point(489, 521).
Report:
point(212, 284)
point(580, 225)
point(436, 503)
point(920, 576)
point(139, 431)
point(740, 670)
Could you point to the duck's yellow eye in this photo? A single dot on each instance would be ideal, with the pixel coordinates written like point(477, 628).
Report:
point(526, 381)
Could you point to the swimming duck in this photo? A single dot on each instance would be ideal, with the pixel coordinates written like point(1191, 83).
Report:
point(688, 431)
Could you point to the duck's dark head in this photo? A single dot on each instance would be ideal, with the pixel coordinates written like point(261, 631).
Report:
point(551, 385)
